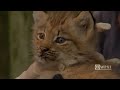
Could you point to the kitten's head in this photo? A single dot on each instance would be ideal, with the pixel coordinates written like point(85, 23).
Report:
point(60, 35)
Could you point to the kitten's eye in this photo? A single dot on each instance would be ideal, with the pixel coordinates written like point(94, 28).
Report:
point(60, 40)
point(40, 35)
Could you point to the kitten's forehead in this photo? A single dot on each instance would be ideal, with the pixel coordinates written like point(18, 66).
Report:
point(63, 14)
point(55, 17)
point(59, 17)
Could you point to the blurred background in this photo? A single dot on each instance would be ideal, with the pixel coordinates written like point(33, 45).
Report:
point(15, 42)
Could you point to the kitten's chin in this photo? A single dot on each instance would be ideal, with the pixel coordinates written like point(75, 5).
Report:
point(39, 60)
point(42, 60)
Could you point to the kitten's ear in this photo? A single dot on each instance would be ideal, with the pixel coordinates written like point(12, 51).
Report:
point(84, 14)
point(101, 27)
point(39, 16)
point(84, 20)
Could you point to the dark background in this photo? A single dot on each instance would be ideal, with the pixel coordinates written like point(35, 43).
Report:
point(15, 42)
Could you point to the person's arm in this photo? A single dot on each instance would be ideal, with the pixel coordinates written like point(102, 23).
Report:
point(29, 73)
point(38, 71)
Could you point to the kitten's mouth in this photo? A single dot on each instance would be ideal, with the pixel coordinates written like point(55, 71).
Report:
point(47, 56)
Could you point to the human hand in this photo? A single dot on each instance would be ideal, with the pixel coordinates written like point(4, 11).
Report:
point(39, 71)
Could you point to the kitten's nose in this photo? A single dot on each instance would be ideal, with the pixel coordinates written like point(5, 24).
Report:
point(43, 49)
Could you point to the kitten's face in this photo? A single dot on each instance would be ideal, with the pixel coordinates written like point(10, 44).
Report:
point(60, 35)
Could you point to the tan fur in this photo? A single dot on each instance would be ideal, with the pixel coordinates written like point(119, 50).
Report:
point(79, 49)
point(87, 71)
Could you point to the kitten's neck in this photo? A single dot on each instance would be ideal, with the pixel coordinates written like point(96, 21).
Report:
point(84, 58)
